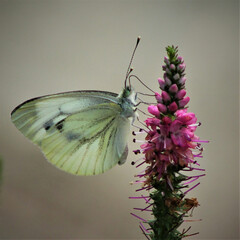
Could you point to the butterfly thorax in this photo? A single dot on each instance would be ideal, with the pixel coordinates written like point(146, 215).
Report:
point(127, 101)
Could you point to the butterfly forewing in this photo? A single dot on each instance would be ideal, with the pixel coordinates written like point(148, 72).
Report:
point(82, 132)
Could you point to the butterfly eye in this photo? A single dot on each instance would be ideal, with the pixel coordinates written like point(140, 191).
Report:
point(126, 92)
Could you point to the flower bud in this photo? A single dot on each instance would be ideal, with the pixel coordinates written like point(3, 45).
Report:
point(182, 80)
point(173, 88)
point(166, 120)
point(176, 76)
point(167, 80)
point(158, 97)
point(154, 110)
point(183, 102)
point(180, 59)
point(161, 83)
point(165, 96)
point(166, 60)
point(168, 71)
point(173, 107)
point(162, 108)
point(172, 67)
point(181, 67)
point(152, 121)
point(164, 67)
point(180, 94)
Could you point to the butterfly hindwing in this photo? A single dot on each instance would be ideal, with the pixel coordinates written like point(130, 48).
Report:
point(82, 133)
point(89, 142)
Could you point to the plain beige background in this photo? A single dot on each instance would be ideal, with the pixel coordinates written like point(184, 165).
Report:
point(54, 46)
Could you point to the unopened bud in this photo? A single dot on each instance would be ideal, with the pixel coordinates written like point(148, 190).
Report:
point(166, 120)
point(181, 67)
point(183, 102)
point(162, 108)
point(154, 110)
point(166, 60)
point(158, 97)
point(161, 83)
point(180, 94)
point(167, 80)
point(173, 88)
point(176, 76)
point(173, 107)
point(180, 59)
point(165, 96)
point(182, 80)
point(172, 67)
point(168, 71)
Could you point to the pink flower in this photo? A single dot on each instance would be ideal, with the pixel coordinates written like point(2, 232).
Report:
point(179, 134)
point(185, 117)
point(153, 110)
point(169, 147)
point(153, 122)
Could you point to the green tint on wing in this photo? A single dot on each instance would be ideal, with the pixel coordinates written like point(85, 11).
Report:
point(88, 142)
point(35, 116)
point(80, 132)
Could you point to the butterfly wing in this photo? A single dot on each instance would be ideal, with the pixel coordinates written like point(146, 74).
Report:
point(82, 133)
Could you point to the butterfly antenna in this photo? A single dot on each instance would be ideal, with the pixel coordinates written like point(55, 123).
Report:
point(141, 83)
point(146, 94)
point(129, 70)
point(143, 102)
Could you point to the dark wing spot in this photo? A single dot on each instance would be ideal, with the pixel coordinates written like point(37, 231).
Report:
point(72, 136)
point(48, 124)
point(59, 125)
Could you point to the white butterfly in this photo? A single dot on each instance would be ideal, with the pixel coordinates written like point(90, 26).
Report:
point(81, 132)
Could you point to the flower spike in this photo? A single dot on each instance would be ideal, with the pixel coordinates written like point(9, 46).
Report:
point(170, 148)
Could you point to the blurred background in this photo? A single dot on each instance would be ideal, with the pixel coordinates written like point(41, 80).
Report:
point(54, 46)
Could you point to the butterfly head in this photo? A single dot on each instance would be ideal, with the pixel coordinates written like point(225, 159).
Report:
point(127, 91)
point(129, 94)
point(127, 100)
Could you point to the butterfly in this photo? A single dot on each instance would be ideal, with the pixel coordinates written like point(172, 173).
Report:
point(80, 132)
